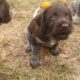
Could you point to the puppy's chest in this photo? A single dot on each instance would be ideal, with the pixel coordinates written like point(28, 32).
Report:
point(49, 43)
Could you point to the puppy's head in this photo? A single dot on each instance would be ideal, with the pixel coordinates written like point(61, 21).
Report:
point(56, 22)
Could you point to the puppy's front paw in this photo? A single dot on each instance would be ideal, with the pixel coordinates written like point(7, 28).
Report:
point(34, 64)
point(55, 52)
point(28, 48)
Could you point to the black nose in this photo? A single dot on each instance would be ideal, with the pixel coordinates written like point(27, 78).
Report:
point(65, 26)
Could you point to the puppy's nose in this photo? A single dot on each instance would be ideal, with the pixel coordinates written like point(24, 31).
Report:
point(65, 26)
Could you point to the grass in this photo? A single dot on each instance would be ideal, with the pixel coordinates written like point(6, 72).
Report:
point(14, 61)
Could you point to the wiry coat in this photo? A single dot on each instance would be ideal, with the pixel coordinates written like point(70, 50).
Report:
point(47, 29)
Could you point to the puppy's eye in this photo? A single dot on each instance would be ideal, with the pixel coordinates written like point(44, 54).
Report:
point(66, 14)
point(54, 16)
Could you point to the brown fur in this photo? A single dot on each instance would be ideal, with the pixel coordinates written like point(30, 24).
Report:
point(5, 16)
point(41, 24)
point(53, 24)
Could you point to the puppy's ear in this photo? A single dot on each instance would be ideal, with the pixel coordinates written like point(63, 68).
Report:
point(41, 21)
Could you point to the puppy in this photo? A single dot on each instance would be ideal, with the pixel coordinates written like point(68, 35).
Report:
point(5, 16)
point(75, 10)
point(47, 29)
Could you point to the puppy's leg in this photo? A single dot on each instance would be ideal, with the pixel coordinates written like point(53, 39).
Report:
point(55, 50)
point(35, 59)
point(28, 46)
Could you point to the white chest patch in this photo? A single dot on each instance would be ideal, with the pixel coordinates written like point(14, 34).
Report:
point(48, 44)
point(38, 40)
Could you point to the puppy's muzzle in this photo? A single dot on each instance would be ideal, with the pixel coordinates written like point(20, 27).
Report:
point(64, 28)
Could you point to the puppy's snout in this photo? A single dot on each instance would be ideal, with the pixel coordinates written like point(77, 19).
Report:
point(65, 26)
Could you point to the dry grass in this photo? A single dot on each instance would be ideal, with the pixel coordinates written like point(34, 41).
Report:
point(14, 61)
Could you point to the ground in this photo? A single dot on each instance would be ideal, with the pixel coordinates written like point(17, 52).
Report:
point(14, 61)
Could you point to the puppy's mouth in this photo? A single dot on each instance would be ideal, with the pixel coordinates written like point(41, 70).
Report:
point(63, 34)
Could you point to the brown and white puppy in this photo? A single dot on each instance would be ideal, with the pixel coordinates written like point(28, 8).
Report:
point(47, 29)
point(5, 16)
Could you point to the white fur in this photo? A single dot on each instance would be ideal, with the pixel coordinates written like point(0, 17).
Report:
point(36, 12)
point(51, 43)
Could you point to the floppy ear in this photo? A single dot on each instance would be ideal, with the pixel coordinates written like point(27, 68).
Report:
point(41, 21)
